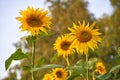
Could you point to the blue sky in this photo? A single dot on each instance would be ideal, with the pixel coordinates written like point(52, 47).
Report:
point(9, 26)
point(99, 7)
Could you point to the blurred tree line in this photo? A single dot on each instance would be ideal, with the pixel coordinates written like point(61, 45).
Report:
point(64, 13)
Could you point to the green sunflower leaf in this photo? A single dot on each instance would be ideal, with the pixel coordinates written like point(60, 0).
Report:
point(54, 58)
point(115, 68)
point(26, 68)
point(117, 59)
point(77, 69)
point(73, 76)
point(119, 51)
point(40, 62)
point(104, 76)
point(81, 63)
point(45, 34)
point(47, 67)
point(91, 62)
point(17, 55)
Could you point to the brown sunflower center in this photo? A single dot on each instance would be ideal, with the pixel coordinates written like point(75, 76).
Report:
point(84, 36)
point(65, 45)
point(100, 68)
point(59, 74)
point(34, 21)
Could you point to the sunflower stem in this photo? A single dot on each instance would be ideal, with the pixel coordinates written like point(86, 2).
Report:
point(87, 77)
point(68, 63)
point(93, 76)
point(33, 59)
point(84, 78)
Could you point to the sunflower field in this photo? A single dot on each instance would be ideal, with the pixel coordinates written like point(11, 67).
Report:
point(67, 43)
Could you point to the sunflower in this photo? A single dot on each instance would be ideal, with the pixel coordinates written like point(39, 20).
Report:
point(33, 21)
point(100, 68)
point(85, 37)
point(48, 77)
point(59, 74)
point(63, 45)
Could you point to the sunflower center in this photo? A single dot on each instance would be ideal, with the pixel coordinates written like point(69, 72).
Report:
point(100, 68)
point(65, 45)
point(59, 74)
point(34, 21)
point(84, 36)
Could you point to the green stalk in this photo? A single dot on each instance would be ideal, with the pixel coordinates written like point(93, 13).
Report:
point(33, 60)
point(93, 76)
point(87, 78)
point(68, 63)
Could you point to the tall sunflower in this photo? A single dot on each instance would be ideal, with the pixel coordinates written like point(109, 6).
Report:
point(63, 45)
point(59, 74)
point(48, 77)
point(34, 20)
point(85, 37)
point(100, 68)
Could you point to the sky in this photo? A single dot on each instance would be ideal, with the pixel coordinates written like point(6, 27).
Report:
point(9, 26)
point(99, 7)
